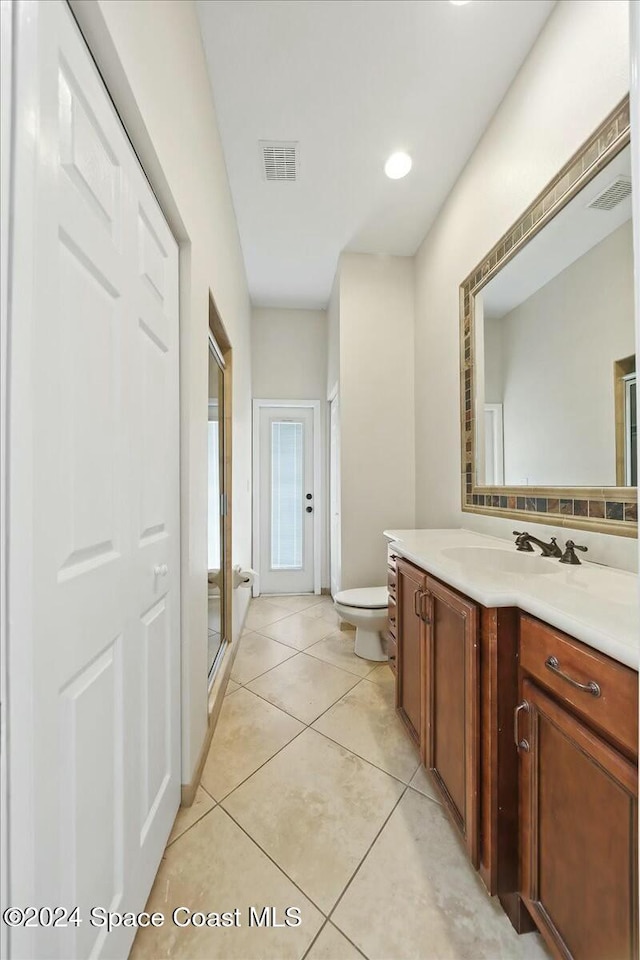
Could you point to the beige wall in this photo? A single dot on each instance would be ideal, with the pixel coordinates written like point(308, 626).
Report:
point(376, 324)
point(289, 353)
point(333, 337)
point(152, 59)
point(557, 354)
point(289, 362)
point(575, 74)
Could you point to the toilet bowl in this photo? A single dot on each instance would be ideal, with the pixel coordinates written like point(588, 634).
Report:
point(366, 609)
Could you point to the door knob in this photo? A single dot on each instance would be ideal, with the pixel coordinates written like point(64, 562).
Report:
point(309, 509)
point(161, 570)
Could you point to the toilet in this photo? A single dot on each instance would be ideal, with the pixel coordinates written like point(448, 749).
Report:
point(366, 609)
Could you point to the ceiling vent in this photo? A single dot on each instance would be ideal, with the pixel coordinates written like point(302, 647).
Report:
point(612, 195)
point(279, 160)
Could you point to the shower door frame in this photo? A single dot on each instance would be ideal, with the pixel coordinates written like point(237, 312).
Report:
point(219, 344)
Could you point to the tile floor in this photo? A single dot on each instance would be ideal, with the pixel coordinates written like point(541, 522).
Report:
point(312, 797)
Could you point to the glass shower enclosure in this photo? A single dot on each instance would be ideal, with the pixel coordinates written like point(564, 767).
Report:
point(216, 509)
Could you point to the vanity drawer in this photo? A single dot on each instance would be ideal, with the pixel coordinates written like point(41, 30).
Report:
point(555, 660)
point(392, 651)
point(391, 581)
point(393, 618)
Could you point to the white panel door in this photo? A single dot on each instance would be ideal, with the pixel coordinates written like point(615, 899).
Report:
point(94, 508)
point(287, 499)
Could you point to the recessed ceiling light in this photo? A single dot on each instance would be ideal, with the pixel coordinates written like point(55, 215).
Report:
point(397, 166)
point(459, 3)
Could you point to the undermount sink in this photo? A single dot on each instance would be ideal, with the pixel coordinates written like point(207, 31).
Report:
point(501, 561)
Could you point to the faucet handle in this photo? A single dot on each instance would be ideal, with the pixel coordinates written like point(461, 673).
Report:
point(569, 555)
point(554, 549)
point(522, 542)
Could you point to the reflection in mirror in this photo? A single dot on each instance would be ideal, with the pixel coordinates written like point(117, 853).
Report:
point(215, 528)
point(556, 401)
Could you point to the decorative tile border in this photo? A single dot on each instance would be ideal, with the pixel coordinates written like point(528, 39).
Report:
point(604, 509)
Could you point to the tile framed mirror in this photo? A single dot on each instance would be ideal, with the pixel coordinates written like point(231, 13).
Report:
point(548, 365)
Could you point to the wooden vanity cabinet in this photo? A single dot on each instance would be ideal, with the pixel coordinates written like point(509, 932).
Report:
point(438, 689)
point(411, 632)
point(578, 796)
point(451, 694)
point(551, 824)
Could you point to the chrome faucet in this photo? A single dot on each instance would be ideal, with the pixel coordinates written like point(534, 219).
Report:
point(524, 541)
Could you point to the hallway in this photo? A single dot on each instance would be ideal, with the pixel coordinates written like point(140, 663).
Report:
point(312, 797)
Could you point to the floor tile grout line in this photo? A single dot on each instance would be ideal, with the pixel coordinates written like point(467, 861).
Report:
point(285, 644)
point(296, 651)
point(326, 923)
point(260, 675)
point(346, 672)
point(269, 669)
point(202, 787)
point(282, 710)
point(366, 854)
point(331, 664)
point(274, 667)
point(365, 759)
point(310, 726)
point(263, 764)
point(267, 598)
point(310, 947)
point(276, 865)
point(425, 796)
point(293, 613)
point(306, 726)
point(405, 786)
point(191, 825)
point(341, 697)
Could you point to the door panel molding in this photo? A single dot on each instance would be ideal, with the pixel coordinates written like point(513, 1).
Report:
point(464, 808)
point(89, 524)
point(315, 406)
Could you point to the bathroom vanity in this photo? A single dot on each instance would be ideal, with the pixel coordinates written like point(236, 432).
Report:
point(517, 678)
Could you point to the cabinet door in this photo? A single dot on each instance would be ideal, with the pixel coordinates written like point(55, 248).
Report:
point(452, 712)
point(410, 590)
point(578, 834)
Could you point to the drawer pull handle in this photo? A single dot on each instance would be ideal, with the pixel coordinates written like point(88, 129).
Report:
point(417, 603)
point(520, 744)
point(552, 663)
point(424, 616)
point(419, 597)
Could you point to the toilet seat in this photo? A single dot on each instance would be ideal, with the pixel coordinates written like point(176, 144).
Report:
point(365, 598)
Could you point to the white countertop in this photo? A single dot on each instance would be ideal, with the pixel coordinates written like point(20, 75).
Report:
point(596, 604)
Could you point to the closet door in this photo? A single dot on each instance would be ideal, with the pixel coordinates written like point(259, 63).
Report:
point(94, 508)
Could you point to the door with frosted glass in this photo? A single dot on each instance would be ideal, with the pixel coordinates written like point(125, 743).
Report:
point(287, 506)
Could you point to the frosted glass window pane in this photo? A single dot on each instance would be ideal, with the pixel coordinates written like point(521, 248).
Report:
point(287, 463)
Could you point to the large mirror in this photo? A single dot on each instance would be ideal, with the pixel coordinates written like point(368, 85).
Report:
point(549, 400)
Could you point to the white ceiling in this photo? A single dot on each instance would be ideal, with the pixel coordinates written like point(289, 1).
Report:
point(352, 81)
